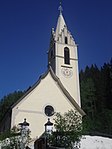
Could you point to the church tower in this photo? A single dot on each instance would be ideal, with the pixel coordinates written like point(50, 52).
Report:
point(63, 58)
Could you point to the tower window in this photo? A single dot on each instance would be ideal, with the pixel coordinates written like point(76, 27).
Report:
point(66, 56)
point(66, 40)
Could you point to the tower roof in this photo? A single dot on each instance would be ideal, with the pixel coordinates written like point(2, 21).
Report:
point(60, 25)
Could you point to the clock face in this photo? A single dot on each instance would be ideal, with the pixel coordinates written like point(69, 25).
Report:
point(67, 72)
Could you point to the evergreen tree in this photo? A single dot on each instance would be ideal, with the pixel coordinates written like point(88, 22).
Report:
point(89, 97)
point(7, 101)
point(96, 96)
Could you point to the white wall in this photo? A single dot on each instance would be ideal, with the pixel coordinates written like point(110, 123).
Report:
point(32, 106)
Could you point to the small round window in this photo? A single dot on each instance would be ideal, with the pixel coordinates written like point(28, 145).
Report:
point(49, 110)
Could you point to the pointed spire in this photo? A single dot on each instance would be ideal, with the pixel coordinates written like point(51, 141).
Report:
point(61, 22)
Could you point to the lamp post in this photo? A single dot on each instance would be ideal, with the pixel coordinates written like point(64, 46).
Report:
point(48, 131)
point(24, 133)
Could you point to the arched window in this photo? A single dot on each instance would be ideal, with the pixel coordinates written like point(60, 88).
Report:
point(66, 56)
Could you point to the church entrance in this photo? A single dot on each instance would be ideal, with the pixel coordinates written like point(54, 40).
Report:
point(40, 144)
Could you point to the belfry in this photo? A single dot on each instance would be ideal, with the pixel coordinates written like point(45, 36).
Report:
point(63, 58)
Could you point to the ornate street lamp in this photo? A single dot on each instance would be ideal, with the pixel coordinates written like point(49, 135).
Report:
point(24, 124)
point(48, 127)
point(48, 131)
point(24, 133)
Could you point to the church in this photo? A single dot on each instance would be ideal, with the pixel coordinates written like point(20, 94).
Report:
point(57, 90)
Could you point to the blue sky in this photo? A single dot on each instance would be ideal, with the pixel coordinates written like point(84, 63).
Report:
point(25, 27)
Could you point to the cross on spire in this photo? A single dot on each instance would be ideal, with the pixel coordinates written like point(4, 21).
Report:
point(60, 7)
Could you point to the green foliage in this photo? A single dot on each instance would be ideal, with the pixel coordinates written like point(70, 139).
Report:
point(5, 135)
point(96, 97)
point(7, 101)
point(12, 139)
point(68, 129)
point(88, 94)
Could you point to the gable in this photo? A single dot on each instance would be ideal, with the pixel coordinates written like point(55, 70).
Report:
point(49, 85)
point(47, 91)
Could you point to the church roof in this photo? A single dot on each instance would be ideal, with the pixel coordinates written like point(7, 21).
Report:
point(60, 86)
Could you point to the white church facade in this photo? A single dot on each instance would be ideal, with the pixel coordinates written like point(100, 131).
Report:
point(56, 91)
